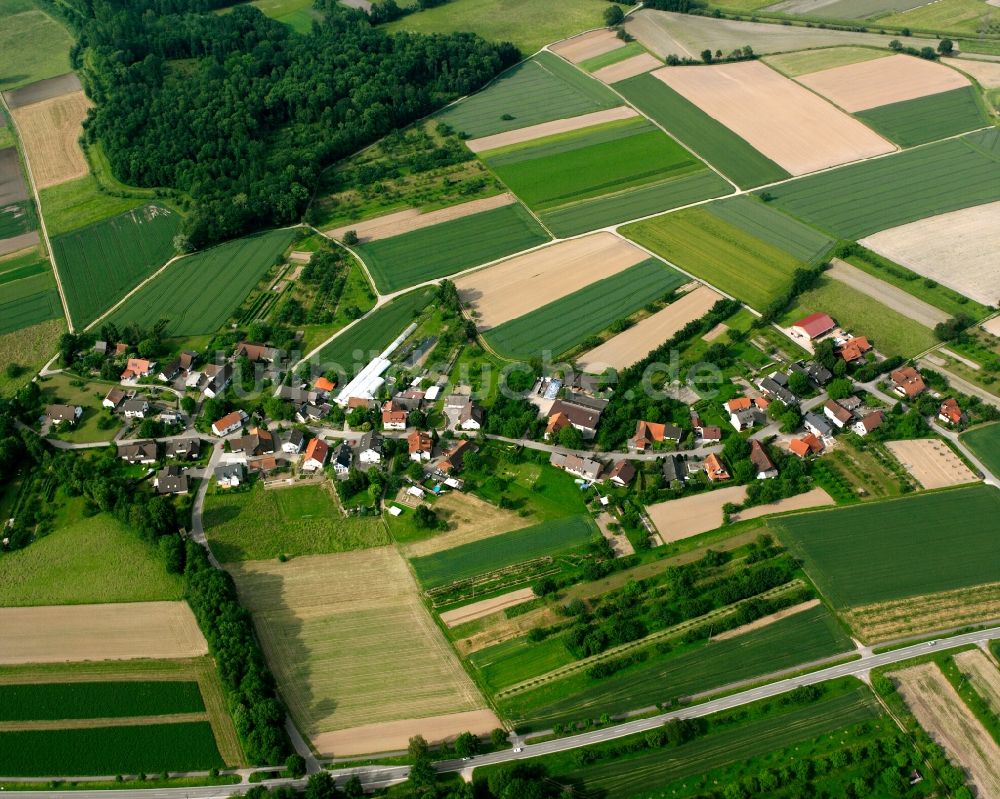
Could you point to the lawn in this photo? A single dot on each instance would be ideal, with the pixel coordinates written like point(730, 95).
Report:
point(719, 253)
point(540, 540)
point(68, 389)
point(29, 348)
point(567, 322)
point(798, 639)
point(80, 202)
point(985, 445)
point(541, 89)
point(898, 548)
point(529, 25)
point(807, 61)
point(450, 247)
point(630, 50)
point(95, 700)
point(101, 263)
point(710, 139)
point(929, 118)
point(891, 332)
point(771, 225)
point(199, 293)
point(143, 749)
point(301, 520)
point(33, 46)
point(28, 301)
point(860, 199)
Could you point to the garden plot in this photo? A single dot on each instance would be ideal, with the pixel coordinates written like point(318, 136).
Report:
point(588, 45)
point(629, 68)
point(626, 348)
point(552, 128)
point(64, 633)
point(18, 220)
point(787, 123)
point(526, 282)
point(931, 462)
point(957, 249)
point(50, 131)
point(688, 516)
point(885, 293)
point(869, 84)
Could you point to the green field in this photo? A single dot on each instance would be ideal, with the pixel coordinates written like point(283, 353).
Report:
point(20, 266)
point(806, 61)
point(517, 660)
point(630, 50)
point(18, 218)
point(719, 253)
point(302, 520)
point(770, 225)
point(101, 263)
point(946, 16)
point(29, 347)
point(199, 293)
point(80, 202)
point(351, 350)
point(714, 142)
point(528, 24)
point(798, 639)
point(899, 548)
point(297, 14)
point(450, 247)
point(28, 301)
point(985, 444)
point(110, 750)
point(861, 199)
point(565, 323)
point(929, 118)
point(541, 89)
point(33, 46)
point(891, 332)
point(468, 560)
point(97, 700)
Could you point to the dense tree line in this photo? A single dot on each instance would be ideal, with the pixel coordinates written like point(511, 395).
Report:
point(240, 112)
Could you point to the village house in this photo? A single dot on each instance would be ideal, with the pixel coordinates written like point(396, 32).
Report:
point(586, 468)
point(171, 417)
point(854, 349)
point(229, 423)
point(410, 399)
point(649, 433)
point(370, 448)
point(950, 412)
point(58, 414)
point(715, 469)
point(170, 480)
point(675, 469)
point(852, 403)
point(317, 451)
point(136, 368)
point(256, 442)
point(471, 417)
point(263, 464)
point(708, 434)
point(138, 452)
point(775, 386)
point(183, 448)
point(393, 416)
point(114, 398)
point(818, 425)
point(256, 353)
point(837, 413)
point(135, 408)
point(907, 382)
point(354, 403)
point(120, 349)
point(805, 446)
point(454, 457)
point(584, 418)
point(292, 441)
point(170, 371)
point(556, 423)
point(323, 386)
point(296, 394)
point(746, 412)
point(229, 475)
point(762, 462)
point(812, 326)
point(343, 458)
point(219, 378)
point(307, 412)
point(816, 372)
point(420, 446)
point(187, 359)
point(101, 347)
point(869, 422)
point(622, 473)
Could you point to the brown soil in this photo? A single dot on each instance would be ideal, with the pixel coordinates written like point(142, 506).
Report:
point(931, 462)
point(544, 129)
point(682, 518)
point(629, 68)
point(715, 332)
point(12, 185)
point(393, 736)
point(43, 90)
point(15, 243)
point(588, 45)
point(50, 131)
point(810, 499)
point(484, 607)
point(986, 72)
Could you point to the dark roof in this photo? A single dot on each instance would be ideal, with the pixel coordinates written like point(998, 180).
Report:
point(674, 468)
point(623, 471)
point(183, 446)
point(759, 458)
point(138, 450)
point(819, 423)
point(586, 401)
point(371, 440)
point(578, 415)
point(344, 455)
point(170, 480)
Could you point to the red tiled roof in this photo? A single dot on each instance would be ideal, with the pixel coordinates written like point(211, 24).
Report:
point(816, 324)
point(317, 450)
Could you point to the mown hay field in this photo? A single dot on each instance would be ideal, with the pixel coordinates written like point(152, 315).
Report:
point(619, 54)
point(450, 247)
point(567, 322)
point(541, 89)
point(199, 293)
point(719, 253)
point(710, 139)
point(30, 347)
point(94, 700)
point(101, 263)
point(985, 444)
point(861, 199)
point(927, 119)
point(33, 46)
point(899, 548)
point(300, 520)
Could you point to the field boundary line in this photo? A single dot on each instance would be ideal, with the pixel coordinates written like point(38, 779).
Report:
point(105, 721)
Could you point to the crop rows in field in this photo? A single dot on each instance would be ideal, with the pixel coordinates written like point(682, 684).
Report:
point(17, 218)
point(565, 323)
point(540, 540)
point(29, 301)
point(99, 264)
point(22, 267)
point(199, 293)
point(860, 199)
point(723, 149)
point(927, 119)
point(904, 547)
point(985, 443)
point(450, 247)
point(770, 225)
point(93, 700)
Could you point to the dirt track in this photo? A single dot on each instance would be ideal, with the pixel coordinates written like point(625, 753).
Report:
point(476, 610)
point(588, 45)
point(628, 68)
point(543, 129)
point(895, 298)
point(50, 131)
point(931, 462)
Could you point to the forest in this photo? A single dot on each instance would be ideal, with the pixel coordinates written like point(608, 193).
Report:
point(237, 114)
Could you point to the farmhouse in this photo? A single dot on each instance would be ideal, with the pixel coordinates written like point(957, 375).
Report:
point(57, 414)
point(584, 418)
point(420, 446)
point(343, 458)
point(453, 457)
point(393, 416)
point(359, 402)
point(317, 451)
point(187, 359)
point(775, 385)
point(837, 414)
point(409, 399)
point(257, 352)
point(806, 446)
point(556, 423)
point(622, 473)
point(114, 398)
point(183, 448)
point(135, 408)
point(229, 423)
point(907, 382)
point(854, 349)
point(950, 412)
point(649, 433)
point(256, 442)
point(586, 468)
point(714, 469)
point(292, 441)
point(370, 448)
point(297, 395)
point(229, 475)
point(818, 425)
point(219, 378)
point(762, 462)
point(675, 469)
point(136, 368)
point(812, 326)
point(138, 452)
point(866, 424)
point(171, 480)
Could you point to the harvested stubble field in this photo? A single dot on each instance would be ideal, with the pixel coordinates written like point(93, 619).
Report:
point(626, 348)
point(546, 129)
point(942, 713)
point(299, 520)
point(588, 45)
point(983, 674)
point(541, 89)
point(400, 222)
point(58, 633)
point(49, 131)
point(806, 62)
point(771, 225)
point(469, 519)
point(899, 548)
point(33, 46)
point(887, 294)
point(101, 263)
point(861, 199)
point(776, 116)
point(562, 325)
point(928, 119)
point(450, 247)
point(629, 68)
point(689, 516)
point(957, 249)
point(719, 253)
point(200, 292)
point(337, 630)
point(931, 462)
point(985, 444)
point(526, 282)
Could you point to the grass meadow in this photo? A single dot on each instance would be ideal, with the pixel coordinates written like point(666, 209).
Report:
point(719, 253)
point(540, 89)
point(929, 118)
point(450, 247)
point(946, 16)
point(516, 660)
point(94, 700)
point(567, 322)
point(101, 263)
point(33, 46)
point(985, 444)
point(199, 293)
point(30, 347)
point(769, 224)
point(78, 203)
point(899, 548)
point(301, 520)
point(860, 199)
point(710, 139)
